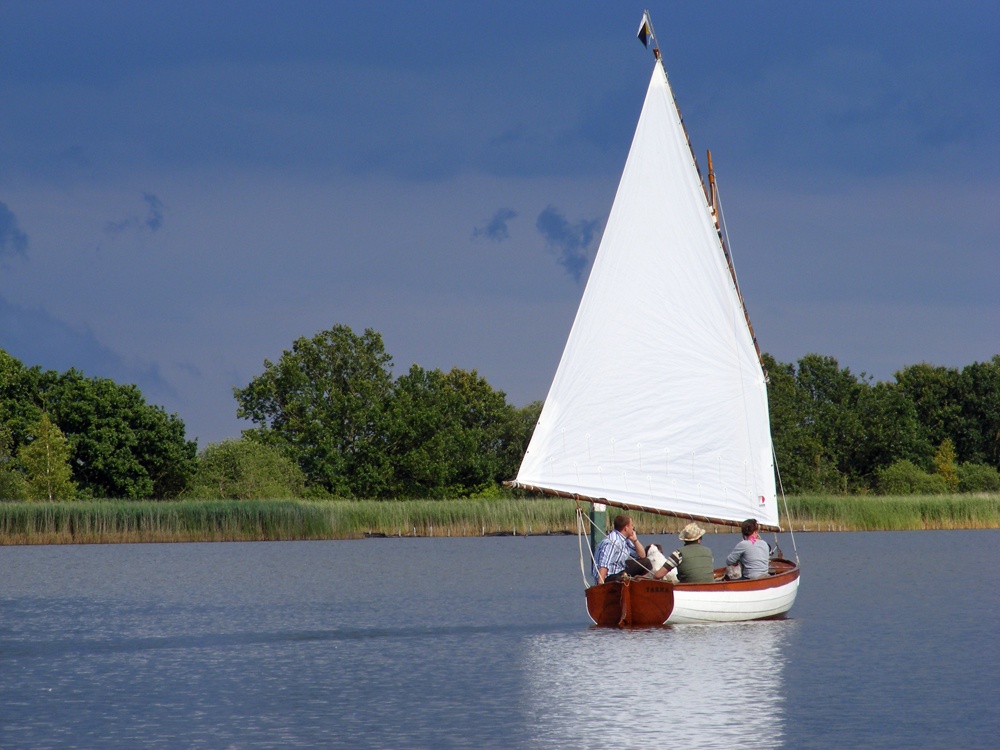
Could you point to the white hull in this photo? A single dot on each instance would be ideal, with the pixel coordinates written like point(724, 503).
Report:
point(731, 606)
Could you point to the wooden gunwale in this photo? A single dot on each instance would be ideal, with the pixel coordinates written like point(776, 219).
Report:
point(779, 578)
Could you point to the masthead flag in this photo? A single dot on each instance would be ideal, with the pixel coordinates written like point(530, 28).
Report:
point(645, 30)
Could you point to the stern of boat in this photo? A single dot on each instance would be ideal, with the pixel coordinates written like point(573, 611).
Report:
point(635, 603)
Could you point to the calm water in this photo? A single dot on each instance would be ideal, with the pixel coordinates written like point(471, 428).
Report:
point(485, 643)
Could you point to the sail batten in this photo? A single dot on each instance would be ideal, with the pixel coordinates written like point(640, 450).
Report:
point(659, 402)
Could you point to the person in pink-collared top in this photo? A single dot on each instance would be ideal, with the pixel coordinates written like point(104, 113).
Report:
point(753, 554)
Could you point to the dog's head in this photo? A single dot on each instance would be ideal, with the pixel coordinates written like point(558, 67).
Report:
point(655, 557)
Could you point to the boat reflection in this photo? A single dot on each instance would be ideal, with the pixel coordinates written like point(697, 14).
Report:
point(691, 686)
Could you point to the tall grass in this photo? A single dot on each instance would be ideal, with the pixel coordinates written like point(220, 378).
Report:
point(894, 513)
point(128, 521)
point(107, 521)
point(462, 517)
point(258, 520)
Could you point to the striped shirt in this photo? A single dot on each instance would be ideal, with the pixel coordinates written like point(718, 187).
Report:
point(612, 553)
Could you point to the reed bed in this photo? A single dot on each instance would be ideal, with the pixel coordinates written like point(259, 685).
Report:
point(462, 517)
point(893, 513)
point(104, 521)
point(107, 521)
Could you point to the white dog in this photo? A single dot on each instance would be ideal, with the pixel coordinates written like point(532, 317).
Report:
point(657, 561)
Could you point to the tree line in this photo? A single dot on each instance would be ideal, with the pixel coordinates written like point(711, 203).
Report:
point(66, 436)
point(331, 420)
point(332, 406)
point(932, 429)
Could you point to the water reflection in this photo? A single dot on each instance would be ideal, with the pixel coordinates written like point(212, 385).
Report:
point(696, 686)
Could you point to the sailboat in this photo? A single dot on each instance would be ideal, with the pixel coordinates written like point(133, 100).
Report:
point(659, 402)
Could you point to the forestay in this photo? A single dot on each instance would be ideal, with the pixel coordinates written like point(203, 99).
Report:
point(659, 400)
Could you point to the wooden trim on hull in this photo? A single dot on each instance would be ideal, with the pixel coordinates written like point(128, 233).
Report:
point(643, 602)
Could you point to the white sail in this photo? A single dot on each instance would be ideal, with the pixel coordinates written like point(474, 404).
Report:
point(659, 401)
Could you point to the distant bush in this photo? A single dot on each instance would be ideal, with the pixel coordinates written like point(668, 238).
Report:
point(245, 470)
point(906, 478)
point(978, 478)
point(12, 485)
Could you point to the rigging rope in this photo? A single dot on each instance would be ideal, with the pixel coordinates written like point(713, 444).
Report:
point(774, 456)
point(582, 522)
point(579, 538)
point(728, 252)
point(725, 230)
point(784, 501)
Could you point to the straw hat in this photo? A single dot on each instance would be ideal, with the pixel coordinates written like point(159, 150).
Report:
point(692, 532)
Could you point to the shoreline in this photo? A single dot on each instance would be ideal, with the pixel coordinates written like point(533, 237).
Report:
point(120, 521)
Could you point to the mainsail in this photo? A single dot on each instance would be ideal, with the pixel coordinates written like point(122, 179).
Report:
point(659, 401)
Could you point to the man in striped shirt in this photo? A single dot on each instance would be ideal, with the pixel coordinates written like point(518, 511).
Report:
point(618, 550)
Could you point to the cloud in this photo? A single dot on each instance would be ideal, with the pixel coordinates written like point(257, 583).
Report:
point(152, 221)
point(570, 242)
point(496, 228)
point(12, 240)
point(33, 336)
point(154, 216)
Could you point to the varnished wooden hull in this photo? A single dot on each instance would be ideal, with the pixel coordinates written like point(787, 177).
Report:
point(642, 602)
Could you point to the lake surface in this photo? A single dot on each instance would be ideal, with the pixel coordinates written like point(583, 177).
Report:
point(485, 643)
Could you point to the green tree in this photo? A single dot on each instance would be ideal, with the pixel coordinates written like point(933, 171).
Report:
point(977, 438)
point(815, 423)
point(832, 429)
point(889, 431)
point(945, 464)
point(958, 405)
point(21, 390)
point(802, 462)
point(831, 397)
point(448, 433)
point(934, 392)
point(12, 484)
point(46, 462)
point(323, 403)
point(516, 436)
point(245, 470)
point(122, 446)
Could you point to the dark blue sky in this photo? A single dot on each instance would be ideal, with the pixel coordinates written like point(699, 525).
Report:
point(185, 188)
